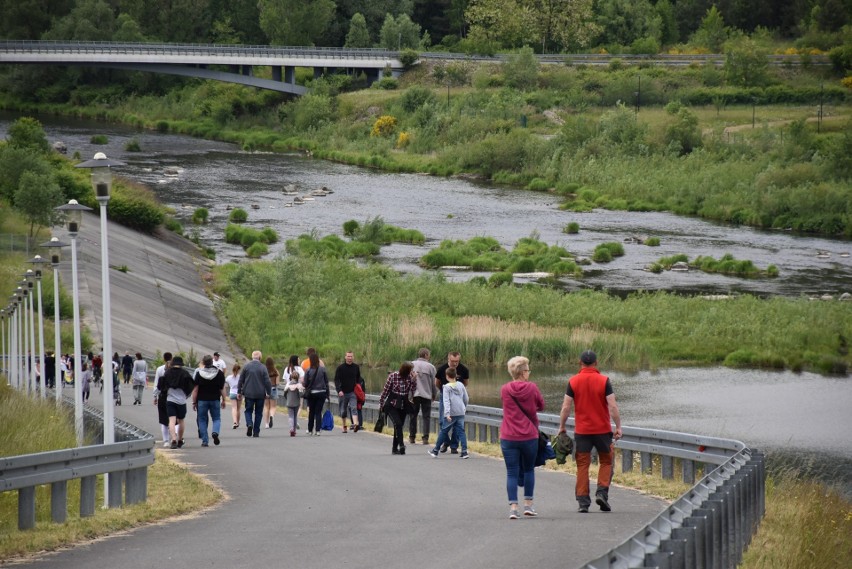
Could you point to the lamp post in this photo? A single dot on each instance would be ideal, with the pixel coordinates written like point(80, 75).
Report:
point(102, 184)
point(13, 342)
point(37, 263)
point(3, 343)
point(26, 368)
point(55, 245)
point(29, 277)
point(74, 216)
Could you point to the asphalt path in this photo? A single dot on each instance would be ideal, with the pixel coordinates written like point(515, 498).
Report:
point(343, 500)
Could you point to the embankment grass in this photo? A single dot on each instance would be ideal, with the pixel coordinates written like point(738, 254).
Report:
point(386, 317)
point(29, 426)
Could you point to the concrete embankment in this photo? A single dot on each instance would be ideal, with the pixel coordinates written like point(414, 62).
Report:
point(158, 304)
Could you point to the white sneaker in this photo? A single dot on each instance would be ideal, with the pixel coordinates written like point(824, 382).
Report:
point(167, 444)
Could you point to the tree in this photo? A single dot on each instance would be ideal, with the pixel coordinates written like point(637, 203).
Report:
point(684, 135)
point(746, 63)
point(567, 22)
point(295, 22)
point(521, 70)
point(399, 33)
point(127, 30)
point(503, 21)
point(624, 21)
point(29, 19)
point(36, 198)
point(90, 20)
point(669, 33)
point(13, 163)
point(27, 133)
point(359, 35)
point(712, 33)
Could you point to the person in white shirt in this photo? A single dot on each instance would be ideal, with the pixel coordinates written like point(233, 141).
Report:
point(233, 381)
point(218, 362)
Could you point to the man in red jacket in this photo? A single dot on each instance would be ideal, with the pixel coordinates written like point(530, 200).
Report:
point(594, 401)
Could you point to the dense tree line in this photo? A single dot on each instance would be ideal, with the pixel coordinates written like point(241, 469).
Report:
point(546, 25)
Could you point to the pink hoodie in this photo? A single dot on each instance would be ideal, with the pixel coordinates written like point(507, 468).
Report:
point(516, 425)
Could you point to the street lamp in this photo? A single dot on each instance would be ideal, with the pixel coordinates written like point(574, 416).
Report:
point(3, 342)
point(13, 342)
point(55, 246)
point(74, 217)
point(102, 184)
point(37, 263)
point(29, 277)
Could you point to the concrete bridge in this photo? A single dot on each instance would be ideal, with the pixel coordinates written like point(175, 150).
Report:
point(229, 63)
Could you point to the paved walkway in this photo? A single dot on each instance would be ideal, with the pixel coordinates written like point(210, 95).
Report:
point(342, 500)
point(338, 500)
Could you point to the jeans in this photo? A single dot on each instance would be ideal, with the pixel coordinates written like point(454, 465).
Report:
point(519, 457)
point(256, 406)
point(455, 426)
point(215, 411)
point(397, 417)
point(316, 401)
point(293, 418)
point(453, 441)
point(138, 390)
point(423, 407)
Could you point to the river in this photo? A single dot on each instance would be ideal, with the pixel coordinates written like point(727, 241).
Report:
point(802, 417)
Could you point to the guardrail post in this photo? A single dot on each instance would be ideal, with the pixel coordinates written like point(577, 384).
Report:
point(88, 485)
point(626, 460)
point(715, 548)
point(115, 482)
point(688, 471)
point(495, 434)
point(647, 462)
point(136, 485)
point(677, 548)
point(700, 521)
point(658, 560)
point(26, 507)
point(667, 467)
point(690, 553)
point(59, 501)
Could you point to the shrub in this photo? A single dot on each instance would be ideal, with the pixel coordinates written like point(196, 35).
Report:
point(99, 139)
point(384, 126)
point(269, 235)
point(386, 83)
point(415, 97)
point(257, 250)
point(174, 225)
point(200, 215)
point(601, 255)
point(538, 185)
point(403, 140)
point(132, 145)
point(408, 57)
point(500, 279)
point(238, 215)
point(652, 241)
point(572, 228)
point(351, 227)
point(162, 126)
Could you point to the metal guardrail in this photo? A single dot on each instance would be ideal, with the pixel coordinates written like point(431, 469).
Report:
point(127, 462)
point(708, 527)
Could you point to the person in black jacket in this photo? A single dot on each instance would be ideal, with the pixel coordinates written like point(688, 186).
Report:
point(177, 383)
point(209, 398)
point(316, 393)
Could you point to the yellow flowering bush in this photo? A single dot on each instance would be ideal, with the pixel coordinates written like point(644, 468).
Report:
point(847, 81)
point(384, 126)
point(403, 140)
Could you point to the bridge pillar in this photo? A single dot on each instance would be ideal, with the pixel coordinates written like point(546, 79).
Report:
point(235, 69)
point(372, 75)
point(318, 72)
point(289, 74)
point(246, 70)
point(276, 73)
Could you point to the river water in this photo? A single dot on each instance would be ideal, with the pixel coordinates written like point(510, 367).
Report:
point(802, 418)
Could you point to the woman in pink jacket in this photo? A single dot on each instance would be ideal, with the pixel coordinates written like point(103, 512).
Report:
point(519, 433)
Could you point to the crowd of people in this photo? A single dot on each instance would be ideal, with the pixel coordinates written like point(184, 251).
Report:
point(254, 390)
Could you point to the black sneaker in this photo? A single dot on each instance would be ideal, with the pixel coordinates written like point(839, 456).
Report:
point(583, 509)
point(173, 445)
point(454, 451)
point(444, 447)
point(464, 454)
point(216, 439)
point(270, 422)
point(249, 431)
point(601, 501)
point(180, 443)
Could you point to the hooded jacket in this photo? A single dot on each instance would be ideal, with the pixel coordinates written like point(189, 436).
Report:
point(254, 381)
point(521, 401)
point(455, 399)
point(210, 381)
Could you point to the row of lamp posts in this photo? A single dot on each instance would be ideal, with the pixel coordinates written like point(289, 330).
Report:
point(20, 317)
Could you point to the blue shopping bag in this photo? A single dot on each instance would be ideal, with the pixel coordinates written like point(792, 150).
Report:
point(327, 421)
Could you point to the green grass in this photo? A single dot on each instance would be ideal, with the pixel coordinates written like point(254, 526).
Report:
point(386, 317)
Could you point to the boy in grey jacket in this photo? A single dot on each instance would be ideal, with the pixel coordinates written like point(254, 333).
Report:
point(455, 404)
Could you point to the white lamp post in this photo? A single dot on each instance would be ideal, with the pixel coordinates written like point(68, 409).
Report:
point(55, 245)
point(13, 342)
point(37, 263)
point(3, 314)
point(74, 216)
point(102, 184)
point(29, 276)
point(28, 371)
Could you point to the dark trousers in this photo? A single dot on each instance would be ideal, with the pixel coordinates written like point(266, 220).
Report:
point(422, 407)
point(584, 445)
point(397, 417)
point(316, 401)
point(254, 414)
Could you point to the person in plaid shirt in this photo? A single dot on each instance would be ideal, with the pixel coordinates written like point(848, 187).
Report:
point(395, 400)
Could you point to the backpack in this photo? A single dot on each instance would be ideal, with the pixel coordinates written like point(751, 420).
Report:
point(360, 398)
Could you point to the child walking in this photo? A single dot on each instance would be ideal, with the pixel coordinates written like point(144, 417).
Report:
point(455, 403)
point(293, 395)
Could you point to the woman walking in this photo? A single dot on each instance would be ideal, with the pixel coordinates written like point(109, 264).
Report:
point(233, 381)
point(395, 400)
point(519, 433)
point(272, 402)
point(140, 378)
point(316, 393)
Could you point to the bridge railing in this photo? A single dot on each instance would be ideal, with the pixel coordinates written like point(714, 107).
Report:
point(709, 527)
point(126, 461)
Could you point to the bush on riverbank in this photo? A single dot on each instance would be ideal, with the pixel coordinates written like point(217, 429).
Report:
point(254, 241)
point(386, 317)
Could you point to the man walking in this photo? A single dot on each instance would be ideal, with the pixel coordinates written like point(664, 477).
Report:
point(219, 363)
point(178, 385)
point(425, 391)
point(127, 367)
point(594, 406)
point(345, 378)
point(209, 392)
point(255, 387)
point(462, 375)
